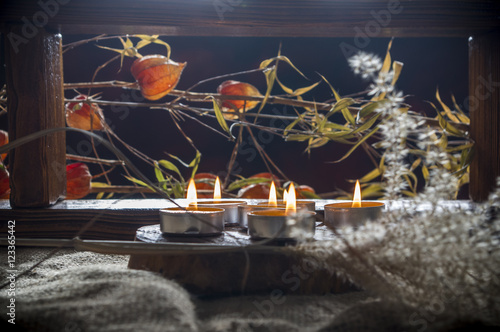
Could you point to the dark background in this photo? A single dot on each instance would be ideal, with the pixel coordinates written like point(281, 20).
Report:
point(428, 63)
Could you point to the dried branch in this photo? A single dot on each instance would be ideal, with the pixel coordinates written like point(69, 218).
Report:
point(107, 162)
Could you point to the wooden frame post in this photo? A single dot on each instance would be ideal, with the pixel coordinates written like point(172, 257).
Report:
point(484, 106)
point(35, 102)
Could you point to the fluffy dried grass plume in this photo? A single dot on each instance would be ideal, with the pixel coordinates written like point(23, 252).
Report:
point(439, 258)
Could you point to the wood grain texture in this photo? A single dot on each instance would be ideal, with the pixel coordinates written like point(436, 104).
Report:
point(319, 18)
point(35, 102)
point(113, 220)
point(484, 106)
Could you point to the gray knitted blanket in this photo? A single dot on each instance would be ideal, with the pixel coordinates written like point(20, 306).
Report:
point(83, 291)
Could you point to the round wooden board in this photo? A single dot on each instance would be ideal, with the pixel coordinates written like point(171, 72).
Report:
point(238, 272)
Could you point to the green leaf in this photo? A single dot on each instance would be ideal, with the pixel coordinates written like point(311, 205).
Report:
point(159, 176)
point(195, 163)
point(358, 144)
point(178, 190)
point(99, 185)
point(396, 68)
point(99, 195)
point(445, 125)
point(178, 159)
point(366, 125)
point(220, 116)
point(373, 190)
point(293, 124)
point(348, 116)
point(425, 173)
point(386, 66)
point(333, 125)
point(297, 137)
point(387, 61)
point(370, 176)
point(368, 109)
point(408, 193)
point(139, 182)
point(246, 182)
point(266, 63)
point(301, 91)
point(270, 78)
point(446, 109)
point(308, 194)
point(460, 148)
point(286, 89)
point(461, 115)
point(316, 142)
point(170, 166)
point(466, 157)
point(146, 40)
point(340, 105)
point(415, 164)
point(337, 97)
point(284, 58)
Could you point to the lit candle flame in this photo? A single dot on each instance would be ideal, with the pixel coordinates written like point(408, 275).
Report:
point(191, 194)
point(217, 190)
point(272, 196)
point(285, 194)
point(291, 206)
point(356, 201)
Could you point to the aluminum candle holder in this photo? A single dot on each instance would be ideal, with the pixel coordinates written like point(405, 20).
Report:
point(309, 205)
point(201, 221)
point(243, 211)
point(272, 224)
point(230, 208)
point(339, 215)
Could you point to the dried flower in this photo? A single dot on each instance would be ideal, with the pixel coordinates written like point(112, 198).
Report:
point(365, 64)
point(157, 75)
point(4, 139)
point(235, 88)
point(4, 182)
point(83, 115)
point(78, 181)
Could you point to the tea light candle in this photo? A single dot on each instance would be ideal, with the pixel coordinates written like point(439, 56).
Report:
point(272, 203)
point(194, 220)
point(230, 207)
point(353, 214)
point(274, 224)
point(301, 204)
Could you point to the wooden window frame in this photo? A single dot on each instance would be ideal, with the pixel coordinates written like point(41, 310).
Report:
point(35, 78)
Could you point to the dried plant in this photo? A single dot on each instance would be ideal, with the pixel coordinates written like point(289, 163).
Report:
point(364, 123)
point(438, 258)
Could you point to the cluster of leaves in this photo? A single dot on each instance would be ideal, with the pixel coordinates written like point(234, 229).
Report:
point(315, 123)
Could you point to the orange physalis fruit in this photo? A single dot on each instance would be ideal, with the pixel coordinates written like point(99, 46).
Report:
point(254, 191)
point(157, 75)
point(268, 176)
point(4, 183)
point(235, 88)
point(304, 188)
point(83, 115)
point(4, 139)
point(204, 189)
point(78, 181)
